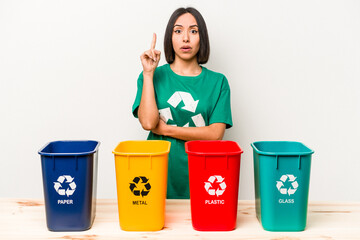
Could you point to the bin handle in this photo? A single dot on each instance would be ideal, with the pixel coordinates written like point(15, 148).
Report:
point(227, 161)
point(150, 157)
point(76, 166)
point(204, 162)
point(277, 162)
point(129, 156)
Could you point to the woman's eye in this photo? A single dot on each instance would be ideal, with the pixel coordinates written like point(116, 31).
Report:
point(177, 31)
point(194, 31)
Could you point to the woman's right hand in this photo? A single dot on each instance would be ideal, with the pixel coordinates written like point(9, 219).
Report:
point(150, 58)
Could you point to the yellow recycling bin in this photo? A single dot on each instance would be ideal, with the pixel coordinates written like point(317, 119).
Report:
point(141, 178)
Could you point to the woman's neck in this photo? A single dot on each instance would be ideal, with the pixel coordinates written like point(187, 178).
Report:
point(186, 68)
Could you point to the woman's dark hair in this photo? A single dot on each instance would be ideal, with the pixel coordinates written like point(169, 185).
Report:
point(204, 50)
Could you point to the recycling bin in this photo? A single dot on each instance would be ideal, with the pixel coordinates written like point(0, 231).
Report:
point(141, 179)
point(214, 169)
point(282, 176)
point(69, 171)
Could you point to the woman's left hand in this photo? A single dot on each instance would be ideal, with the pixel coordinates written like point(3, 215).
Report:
point(161, 128)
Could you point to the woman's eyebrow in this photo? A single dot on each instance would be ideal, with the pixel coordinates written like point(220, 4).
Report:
point(178, 25)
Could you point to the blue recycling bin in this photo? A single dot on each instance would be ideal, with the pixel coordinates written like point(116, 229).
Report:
point(69, 170)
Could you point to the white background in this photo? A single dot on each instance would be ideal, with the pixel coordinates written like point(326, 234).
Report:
point(68, 70)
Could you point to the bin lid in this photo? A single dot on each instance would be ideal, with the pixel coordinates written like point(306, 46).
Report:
point(142, 148)
point(212, 148)
point(69, 148)
point(281, 148)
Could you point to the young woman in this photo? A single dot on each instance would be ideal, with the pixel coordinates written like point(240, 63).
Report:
point(182, 100)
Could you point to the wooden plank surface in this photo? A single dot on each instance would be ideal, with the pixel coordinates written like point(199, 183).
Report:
point(25, 219)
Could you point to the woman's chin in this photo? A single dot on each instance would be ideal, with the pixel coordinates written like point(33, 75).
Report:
point(186, 57)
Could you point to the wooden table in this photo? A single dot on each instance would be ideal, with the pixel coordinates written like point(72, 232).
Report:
point(25, 219)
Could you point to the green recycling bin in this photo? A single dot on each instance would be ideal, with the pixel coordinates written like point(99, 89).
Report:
point(282, 176)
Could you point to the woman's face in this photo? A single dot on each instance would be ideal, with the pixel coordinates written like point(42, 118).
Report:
point(185, 37)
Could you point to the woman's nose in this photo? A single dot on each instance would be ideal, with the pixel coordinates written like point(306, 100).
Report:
point(186, 37)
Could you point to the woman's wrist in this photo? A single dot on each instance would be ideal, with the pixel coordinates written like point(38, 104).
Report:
point(148, 74)
point(165, 130)
point(169, 130)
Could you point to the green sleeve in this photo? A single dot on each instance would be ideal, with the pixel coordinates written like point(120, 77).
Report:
point(222, 110)
point(138, 95)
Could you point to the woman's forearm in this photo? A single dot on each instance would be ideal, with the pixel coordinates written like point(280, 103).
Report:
point(148, 112)
point(213, 132)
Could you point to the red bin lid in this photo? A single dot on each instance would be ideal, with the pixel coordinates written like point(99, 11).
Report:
point(212, 147)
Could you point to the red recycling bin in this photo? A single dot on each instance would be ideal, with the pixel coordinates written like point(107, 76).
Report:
point(214, 169)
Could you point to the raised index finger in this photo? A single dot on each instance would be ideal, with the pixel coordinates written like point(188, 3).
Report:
point(153, 43)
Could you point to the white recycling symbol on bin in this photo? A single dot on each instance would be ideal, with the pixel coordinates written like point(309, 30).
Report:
point(209, 185)
point(287, 178)
point(69, 190)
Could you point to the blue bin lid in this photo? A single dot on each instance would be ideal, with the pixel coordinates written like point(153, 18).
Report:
point(69, 148)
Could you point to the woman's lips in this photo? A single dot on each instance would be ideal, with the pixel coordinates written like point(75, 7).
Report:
point(186, 48)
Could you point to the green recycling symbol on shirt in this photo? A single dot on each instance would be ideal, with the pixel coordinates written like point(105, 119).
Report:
point(189, 105)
